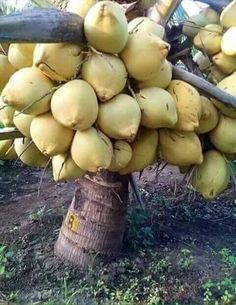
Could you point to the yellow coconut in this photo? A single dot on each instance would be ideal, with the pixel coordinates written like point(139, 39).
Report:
point(120, 117)
point(106, 27)
point(99, 70)
point(59, 61)
point(211, 15)
point(144, 55)
point(228, 15)
point(20, 55)
point(92, 150)
point(74, 105)
point(6, 114)
point(209, 117)
point(80, 7)
point(144, 151)
point(203, 62)
point(28, 91)
point(122, 154)
point(158, 108)
point(22, 122)
point(215, 76)
point(146, 24)
point(162, 79)
point(227, 85)
point(7, 151)
point(223, 136)
point(227, 64)
point(209, 39)
point(181, 148)
point(49, 136)
point(212, 176)
point(188, 105)
point(228, 43)
point(6, 71)
point(193, 25)
point(64, 168)
point(29, 154)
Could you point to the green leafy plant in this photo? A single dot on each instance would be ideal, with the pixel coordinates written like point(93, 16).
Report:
point(186, 260)
point(5, 257)
point(221, 292)
point(140, 233)
point(228, 258)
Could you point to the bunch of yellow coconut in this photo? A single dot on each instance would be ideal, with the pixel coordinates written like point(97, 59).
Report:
point(214, 35)
point(111, 104)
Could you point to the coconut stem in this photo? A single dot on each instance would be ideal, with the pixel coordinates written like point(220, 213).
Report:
point(27, 146)
point(204, 86)
point(52, 26)
point(136, 191)
point(41, 178)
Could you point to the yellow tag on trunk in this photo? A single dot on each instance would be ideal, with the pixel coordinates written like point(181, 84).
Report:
point(72, 221)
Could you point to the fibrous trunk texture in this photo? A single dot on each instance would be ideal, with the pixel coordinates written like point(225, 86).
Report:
point(94, 226)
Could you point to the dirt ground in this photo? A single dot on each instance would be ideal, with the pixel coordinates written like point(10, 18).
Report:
point(172, 248)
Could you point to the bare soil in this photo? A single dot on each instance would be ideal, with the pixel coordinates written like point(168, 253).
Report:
point(176, 217)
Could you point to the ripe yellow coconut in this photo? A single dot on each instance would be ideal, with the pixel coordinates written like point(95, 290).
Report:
point(74, 105)
point(59, 61)
point(203, 62)
point(228, 15)
point(227, 85)
point(7, 151)
point(211, 15)
point(29, 154)
point(228, 43)
point(227, 64)
point(223, 136)
point(193, 25)
point(28, 91)
point(99, 70)
point(92, 150)
point(120, 117)
point(146, 24)
point(106, 27)
point(212, 176)
point(6, 114)
point(215, 76)
point(181, 148)
point(209, 117)
point(122, 154)
point(162, 79)
point(49, 136)
point(158, 108)
point(6, 71)
point(80, 7)
point(64, 168)
point(22, 122)
point(209, 39)
point(188, 105)
point(144, 55)
point(20, 55)
point(144, 151)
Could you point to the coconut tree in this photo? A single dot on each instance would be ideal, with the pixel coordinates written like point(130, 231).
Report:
point(94, 225)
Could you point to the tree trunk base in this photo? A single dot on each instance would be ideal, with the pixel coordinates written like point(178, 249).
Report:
point(94, 226)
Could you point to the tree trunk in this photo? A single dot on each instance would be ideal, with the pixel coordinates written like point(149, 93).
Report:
point(94, 226)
